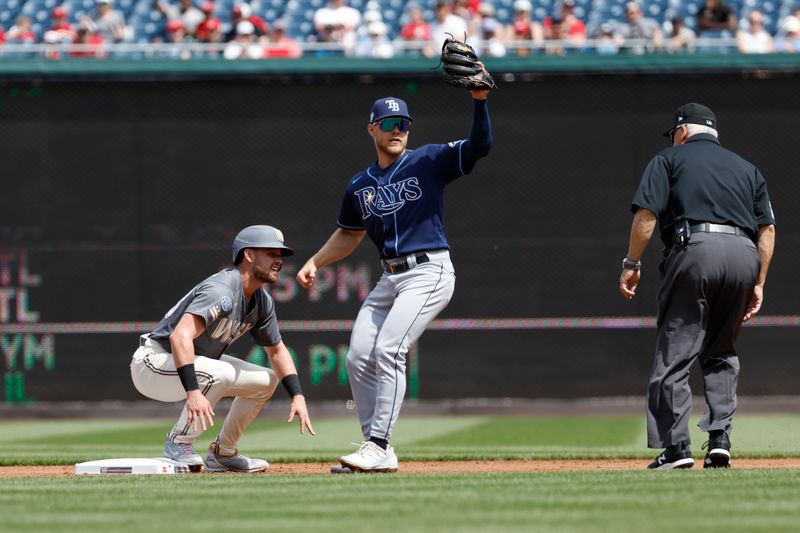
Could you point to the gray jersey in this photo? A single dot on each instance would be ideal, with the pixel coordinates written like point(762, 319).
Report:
point(219, 301)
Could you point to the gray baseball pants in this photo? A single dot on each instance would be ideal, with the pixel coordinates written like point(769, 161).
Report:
point(705, 290)
point(392, 318)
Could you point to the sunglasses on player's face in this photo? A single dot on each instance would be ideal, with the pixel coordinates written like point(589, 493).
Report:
point(389, 124)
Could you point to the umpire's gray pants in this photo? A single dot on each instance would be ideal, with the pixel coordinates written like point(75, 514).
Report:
point(705, 290)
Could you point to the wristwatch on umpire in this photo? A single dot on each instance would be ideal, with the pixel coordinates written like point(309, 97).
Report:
point(630, 264)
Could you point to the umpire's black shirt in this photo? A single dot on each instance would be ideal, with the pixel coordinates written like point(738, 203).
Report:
point(700, 181)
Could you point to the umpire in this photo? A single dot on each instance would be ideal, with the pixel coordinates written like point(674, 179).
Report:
point(718, 230)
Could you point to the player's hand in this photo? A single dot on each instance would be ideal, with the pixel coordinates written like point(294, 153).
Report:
point(307, 274)
point(480, 94)
point(628, 281)
point(754, 305)
point(299, 408)
point(198, 408)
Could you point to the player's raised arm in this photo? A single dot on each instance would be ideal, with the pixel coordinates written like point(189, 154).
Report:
point(341, 244)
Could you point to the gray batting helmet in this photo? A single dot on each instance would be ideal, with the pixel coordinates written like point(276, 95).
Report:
point(260, 237)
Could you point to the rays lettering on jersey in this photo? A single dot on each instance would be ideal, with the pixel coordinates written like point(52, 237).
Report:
point(228, 331)
point(387, 199)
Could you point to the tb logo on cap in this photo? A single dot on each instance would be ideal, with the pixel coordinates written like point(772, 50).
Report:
point(392, 105)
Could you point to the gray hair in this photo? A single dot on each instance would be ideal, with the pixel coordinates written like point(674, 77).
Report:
point(694, 129)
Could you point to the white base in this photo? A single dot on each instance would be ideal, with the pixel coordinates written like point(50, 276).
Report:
point(137, 465)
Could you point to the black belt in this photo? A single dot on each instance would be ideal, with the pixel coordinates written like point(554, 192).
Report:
point(708, 227)
point(393, 266)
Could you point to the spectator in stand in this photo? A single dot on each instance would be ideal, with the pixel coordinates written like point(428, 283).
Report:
point(189, 15)
point(637, 26)
point(608, 40)
point(21, 32)
point(465, 9)
point(446, 23)
point(60, 30)
point(716, 19)
point(109, 23)
point(337, 22)
point(203, 30)
point(416, 29)
point(2, 35)
point(244, 45)
point(491, 45)
point(486, 11)
point(679, 37)
point(176, 34)
point(280, 44)
point(375, 44)
point(568, 28)
point(524, 28)
point(91, 41)
point(789, 41)
point(754, 39)
point(243, 12)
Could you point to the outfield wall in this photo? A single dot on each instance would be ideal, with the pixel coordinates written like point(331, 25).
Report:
point(119, 194)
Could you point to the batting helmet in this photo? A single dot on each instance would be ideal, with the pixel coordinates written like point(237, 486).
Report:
point(260, 237)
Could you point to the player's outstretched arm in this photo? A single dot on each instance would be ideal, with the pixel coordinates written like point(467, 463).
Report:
point(341, 244)
point(281, 362)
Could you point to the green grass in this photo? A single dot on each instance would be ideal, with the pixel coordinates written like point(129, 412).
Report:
point(434, 438)
point(695, 500)
point(745, 500)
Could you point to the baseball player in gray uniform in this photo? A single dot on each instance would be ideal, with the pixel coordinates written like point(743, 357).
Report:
point(184, 356)
point(398, 203)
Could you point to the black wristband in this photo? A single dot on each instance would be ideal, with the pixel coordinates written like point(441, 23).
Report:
point(188, 378)
point(292, 385)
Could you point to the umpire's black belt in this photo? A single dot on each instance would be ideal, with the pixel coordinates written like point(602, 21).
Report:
point(708, 227)
point(402, 264)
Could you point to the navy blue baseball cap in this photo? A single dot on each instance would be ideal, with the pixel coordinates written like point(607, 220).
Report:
point(388, 106)
point(692, 113)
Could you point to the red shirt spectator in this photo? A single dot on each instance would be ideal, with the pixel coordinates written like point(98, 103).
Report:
point(21, 32)
point(571, 27)
point(60, 30)
point(243, 12)
point(416, 29)
point(281, 45)
point(87, 36)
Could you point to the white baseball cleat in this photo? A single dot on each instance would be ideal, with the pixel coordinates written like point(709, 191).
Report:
point(182, 452)
point(371, 458)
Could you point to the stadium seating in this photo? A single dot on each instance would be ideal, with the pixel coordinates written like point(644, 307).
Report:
point(147, 23)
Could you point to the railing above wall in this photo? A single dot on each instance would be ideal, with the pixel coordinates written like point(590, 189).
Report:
point(711, 55)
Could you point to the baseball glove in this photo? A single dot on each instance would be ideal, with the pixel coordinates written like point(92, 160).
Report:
point(462, 67)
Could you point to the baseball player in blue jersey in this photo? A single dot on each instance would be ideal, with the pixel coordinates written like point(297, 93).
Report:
point(184, 356)
point(398, 202)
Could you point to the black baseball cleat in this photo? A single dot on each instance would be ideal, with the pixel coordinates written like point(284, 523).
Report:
point(719, 451)
point(675, 456)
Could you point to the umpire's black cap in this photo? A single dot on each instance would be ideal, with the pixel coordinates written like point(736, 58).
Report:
point(692, 113)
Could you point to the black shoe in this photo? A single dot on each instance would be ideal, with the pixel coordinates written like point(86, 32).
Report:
point(675, 456)
point(719, 451)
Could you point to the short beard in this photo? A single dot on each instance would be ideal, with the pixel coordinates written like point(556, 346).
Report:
point(265, 275)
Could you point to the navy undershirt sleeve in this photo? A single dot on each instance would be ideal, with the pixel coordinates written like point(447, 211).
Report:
point(480, 137)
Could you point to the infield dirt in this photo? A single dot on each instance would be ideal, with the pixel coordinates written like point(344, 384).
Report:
point(437, 467)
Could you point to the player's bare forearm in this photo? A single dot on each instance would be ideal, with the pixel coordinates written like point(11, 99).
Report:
point(341, 244)
point(644, 222)
point(766, 246)
point(182, 339)
point(281, 360)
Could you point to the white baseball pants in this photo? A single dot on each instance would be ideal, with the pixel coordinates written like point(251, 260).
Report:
point(154, 375)
point(391, 320)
